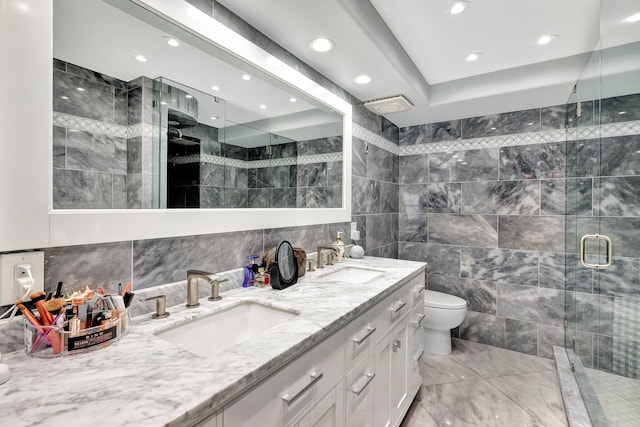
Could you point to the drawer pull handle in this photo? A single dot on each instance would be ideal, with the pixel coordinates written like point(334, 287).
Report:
point(395, 345)
point(315, 377)
point(369, 376)
point(359, 341)
point(420, 289)
point(419, 355)
point(399, 305)
point(419, 320)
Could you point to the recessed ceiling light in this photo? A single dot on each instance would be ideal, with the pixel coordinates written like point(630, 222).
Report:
point(214, 117)
point(215, 88)
point(172, 42)
point(141, 58)
point(622, 113)
point(530, 123)
point(80, 89)
point(188, 96)
point(363, 79)
point(321, 45)
point(64, 97)
point(633, 18)
point(493, 128)
point(246, 77)
point(473, 56)
point(546, 38)
point(458, 7)
point(263, 107)
point(292, 99)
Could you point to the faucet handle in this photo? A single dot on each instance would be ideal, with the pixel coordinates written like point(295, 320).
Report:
point(198, 272)
point(161, 307)
point(215, 288)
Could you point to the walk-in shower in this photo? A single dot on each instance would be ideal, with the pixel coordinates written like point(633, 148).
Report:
point(603, 222)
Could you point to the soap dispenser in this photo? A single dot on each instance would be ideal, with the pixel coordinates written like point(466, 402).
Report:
point(338, 245)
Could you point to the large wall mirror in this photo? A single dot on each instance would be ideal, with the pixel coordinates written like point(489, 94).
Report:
point(151, 149)
point(146, 117)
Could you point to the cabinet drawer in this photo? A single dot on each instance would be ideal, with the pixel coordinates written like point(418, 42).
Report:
point(361, 336)
point(417, 290)
point(392, 309)
point(360, 381)
point(416, 319)
point(291, 390)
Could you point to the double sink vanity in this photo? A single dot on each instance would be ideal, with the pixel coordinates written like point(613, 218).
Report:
point(341, 347)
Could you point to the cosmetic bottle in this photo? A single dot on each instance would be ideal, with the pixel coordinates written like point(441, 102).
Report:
point(250, 271)
point(262, 279)
point(338, 245)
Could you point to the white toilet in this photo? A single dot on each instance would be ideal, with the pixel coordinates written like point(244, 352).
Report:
point(443, 312)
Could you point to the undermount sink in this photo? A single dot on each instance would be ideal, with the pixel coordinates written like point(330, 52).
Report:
point(352, 275)
point(226, 328)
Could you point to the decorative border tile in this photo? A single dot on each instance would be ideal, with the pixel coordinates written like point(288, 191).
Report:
point(96, 126)
point(286, 161)
point(374, 139)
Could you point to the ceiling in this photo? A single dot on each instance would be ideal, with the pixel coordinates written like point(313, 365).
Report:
point(417, 48)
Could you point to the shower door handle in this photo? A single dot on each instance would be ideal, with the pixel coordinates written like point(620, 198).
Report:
point(598, 237)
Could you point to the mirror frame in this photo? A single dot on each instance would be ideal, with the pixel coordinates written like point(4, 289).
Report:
point(30, 222)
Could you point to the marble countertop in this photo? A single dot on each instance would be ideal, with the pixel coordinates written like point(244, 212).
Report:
point(143, 380)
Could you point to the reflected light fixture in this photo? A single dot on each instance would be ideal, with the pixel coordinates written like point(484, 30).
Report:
point(292, 99)
point(632, 18)
point(546, 38)
point(172, 42)
point(263, 107)
point(141, 58)
point(215, 88)
point(458, 7)
point(321, 45)
point(473, 56)
point(188, 96)
point(363, 79)
point(214, 117)
point(246, 77)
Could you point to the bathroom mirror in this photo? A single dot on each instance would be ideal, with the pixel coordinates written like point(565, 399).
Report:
point(206, 134)
point(29, 220)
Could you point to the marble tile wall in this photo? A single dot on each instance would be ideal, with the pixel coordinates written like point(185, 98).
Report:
point(497, 226)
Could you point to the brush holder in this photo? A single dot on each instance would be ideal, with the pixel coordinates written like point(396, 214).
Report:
point(53, 341)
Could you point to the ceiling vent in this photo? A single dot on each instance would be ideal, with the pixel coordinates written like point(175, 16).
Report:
point(394, 104)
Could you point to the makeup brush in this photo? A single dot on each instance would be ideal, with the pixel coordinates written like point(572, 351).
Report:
point(55, 305)
point(54, 340)
point(38, 298)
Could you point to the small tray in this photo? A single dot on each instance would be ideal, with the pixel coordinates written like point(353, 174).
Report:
point(57, 342)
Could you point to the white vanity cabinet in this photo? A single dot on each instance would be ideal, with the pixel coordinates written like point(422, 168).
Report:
point(364, 375)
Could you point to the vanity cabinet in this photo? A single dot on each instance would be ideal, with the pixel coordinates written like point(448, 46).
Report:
point(364, 375)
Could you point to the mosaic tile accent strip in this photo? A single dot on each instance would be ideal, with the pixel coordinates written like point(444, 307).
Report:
point(97, 126)
point(374, 139)
point(591, 132)
point(286, 161)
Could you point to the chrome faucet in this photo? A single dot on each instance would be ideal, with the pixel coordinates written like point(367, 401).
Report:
point(320, 260)
point(192, 287)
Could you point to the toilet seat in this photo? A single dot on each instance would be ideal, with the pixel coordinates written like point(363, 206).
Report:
point(443, 301)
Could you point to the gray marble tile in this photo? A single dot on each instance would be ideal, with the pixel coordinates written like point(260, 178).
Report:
point(380, 230)
point(467, 230)
point(134, 191)
point(95, 152)
point(444, 370)
point(622, 278)
point(390, 131)
point(499, 265)
point(95, 101)
point(482, 328)
point(59, 65)
point(583, 158)
point(284, 198)
point(380, 164)
point(388, 197)
point(619, 155)
point(534, 233)
point(548, 336)
point(413, 227)
point(279, 177)
point(479, 294)
point(365, 196)
point(259, 198)
point(624, 233)
point(235, 198)
point(521, 336)
point(564, 271)
point(59, 147)
point(81, 190)
point(119, 191)
point(432, 132)
point(317, 146)
point(555, 117)
point(501, 124)
point(414, 169)
point(95, 77)
point(212, 174)
point(106, 265)
point(210, 197)
point(358, 158)
point(158, 261)
point(120, 107)
point(619, 196)
point(366, 118)
point(620, 109)
point(590, 313)
point(566, 197)
point(444, 198)
point(540, 305)
point(334, 173)
point(413, 198)
point(443, 259)
point(501, 197)
point(469, 165)
point(412, 251)
point(311, 175)
point(418, 415)
point(389, 251)
point(134, 155)
point(492, 362)
point(538, 393)
point(533, 161)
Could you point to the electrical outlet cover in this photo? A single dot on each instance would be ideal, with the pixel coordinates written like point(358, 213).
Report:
point(8, 263)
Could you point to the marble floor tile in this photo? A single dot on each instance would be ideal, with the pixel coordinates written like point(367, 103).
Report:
point(618, 396)
point(489, 362)
point(444, 369)
point(418, 416)
point(537, 393)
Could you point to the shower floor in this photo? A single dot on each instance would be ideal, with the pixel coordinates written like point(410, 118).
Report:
point(619, 397)
point(480, 385)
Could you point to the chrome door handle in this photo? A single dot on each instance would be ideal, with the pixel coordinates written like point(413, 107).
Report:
point(419, 320)
point(583, 247)
point(359, 341)
point(358, 390)
point(315, 377)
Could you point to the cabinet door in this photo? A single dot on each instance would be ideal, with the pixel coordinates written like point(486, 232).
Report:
point(399, 346)
point(210, 421)
point(328, 412)
point(381, 408)
point(363, 415)
point(416, 348)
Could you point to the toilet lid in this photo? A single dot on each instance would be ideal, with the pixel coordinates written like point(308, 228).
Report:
point(440, 300)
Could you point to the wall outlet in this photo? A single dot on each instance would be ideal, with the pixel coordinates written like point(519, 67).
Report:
point(14, 266)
